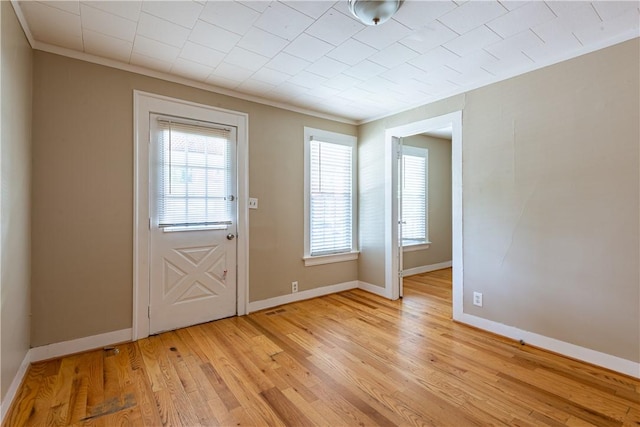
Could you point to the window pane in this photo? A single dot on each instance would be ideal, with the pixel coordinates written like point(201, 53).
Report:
point(195, 174)
point(330, 198)
point(414, 195)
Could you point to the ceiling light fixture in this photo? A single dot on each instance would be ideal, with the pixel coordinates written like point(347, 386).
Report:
point(374, 12)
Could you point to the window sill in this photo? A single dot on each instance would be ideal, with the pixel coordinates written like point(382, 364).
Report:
point(329, 259)
point(416, 247)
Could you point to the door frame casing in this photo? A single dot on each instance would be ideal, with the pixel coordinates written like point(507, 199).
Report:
point(143, 104)
point(392, 285)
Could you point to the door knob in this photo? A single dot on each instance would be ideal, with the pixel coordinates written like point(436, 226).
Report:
point(231, 236)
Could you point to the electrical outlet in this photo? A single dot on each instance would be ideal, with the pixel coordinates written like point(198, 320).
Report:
point(477, 299)
point(253, 203)
point(294, 287)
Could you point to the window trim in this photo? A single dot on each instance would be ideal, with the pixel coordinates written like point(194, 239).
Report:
point(334, 138)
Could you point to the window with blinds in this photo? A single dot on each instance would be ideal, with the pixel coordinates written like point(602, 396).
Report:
point(195, 175)
point(415, 205)
point(330, 182)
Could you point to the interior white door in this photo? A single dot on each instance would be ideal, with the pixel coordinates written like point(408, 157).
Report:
point(193, 222)
point(400, 179)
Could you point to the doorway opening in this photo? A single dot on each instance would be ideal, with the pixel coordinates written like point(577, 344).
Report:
point(393, 247)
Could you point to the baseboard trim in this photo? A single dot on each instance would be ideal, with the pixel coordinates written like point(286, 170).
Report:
point(79, 345)
point(426, 268)
point(377, 290)
point(15, 386)
point(300, 296)
point(614, 363)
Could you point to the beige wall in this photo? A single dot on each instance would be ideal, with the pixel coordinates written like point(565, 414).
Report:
point(15, 175)
point(439, 193)
point(550, 199)
point(83, 196)
point(371, 203)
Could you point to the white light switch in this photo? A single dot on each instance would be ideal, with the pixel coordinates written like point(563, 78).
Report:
point(253, 203)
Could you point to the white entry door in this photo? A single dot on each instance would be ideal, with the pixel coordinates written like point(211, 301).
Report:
point(193, 222)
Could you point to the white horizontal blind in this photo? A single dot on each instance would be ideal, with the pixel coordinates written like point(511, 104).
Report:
point(195, 178)
point(414, 195)
point(331, 175)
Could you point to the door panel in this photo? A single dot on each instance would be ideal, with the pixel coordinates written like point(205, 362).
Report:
point(192, 225)
point(398, 143)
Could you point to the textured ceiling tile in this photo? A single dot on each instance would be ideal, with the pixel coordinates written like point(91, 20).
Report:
point(334, 27)
point(246, 59)
point(327, 67)
point(402, 73)
point(365, 70)
point(471, 15)
point(434, 58)
point(521, 19)
point(288, 64)
point(107, 23)
point(553, 47)
point(580, 17)
point(514, 4)
point(324, 92)
point(184, 13)
point(67, 6)
point(479, 59)
point(107, 47)
point(351, 52)
point(613, 9)
point(307, 79)
point(155, 49)
point(623, 25)
point(161, 30)
point(564, 8)
point(508, 65)
point(513, 46)
point(384, 35)
point(232, 72)
point(422, 13)
point(191, 70)
point(255, 87)
point(201, 54)
point(262, 42)
point(150, 63)
point(54, 26)
point(428, 37)
point(273, 77)
point(472, 41)
point(283, 21)
point(257, 5)
point(308, 48)
point(314, 9)
point(214, 37)
point(393, 55)
point(124, 9)
point(222, 82)
point(342, 82)
point(229, 15)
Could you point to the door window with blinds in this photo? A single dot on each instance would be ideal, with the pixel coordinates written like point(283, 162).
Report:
point(195, 188)
point(330, 226)
point(415, 200)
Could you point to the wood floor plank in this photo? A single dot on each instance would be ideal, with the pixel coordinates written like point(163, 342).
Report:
point(345, 359)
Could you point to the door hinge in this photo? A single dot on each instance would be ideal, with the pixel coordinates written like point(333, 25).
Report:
point(149, 311)
point(149, 223)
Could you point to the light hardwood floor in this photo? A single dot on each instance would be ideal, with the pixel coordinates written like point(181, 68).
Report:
point(341, 360)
